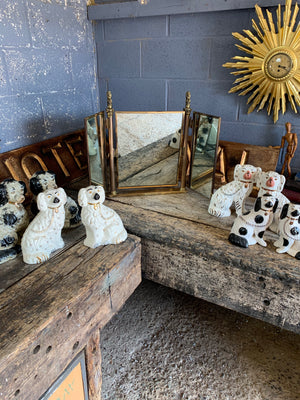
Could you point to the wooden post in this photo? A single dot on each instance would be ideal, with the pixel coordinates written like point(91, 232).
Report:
point(93, 366)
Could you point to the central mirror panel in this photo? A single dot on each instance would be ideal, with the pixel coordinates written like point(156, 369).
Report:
point(148, 146)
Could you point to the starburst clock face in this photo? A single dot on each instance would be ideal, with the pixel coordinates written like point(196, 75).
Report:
point(272, 74)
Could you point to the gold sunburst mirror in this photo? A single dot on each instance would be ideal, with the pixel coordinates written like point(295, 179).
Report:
point(272, 73)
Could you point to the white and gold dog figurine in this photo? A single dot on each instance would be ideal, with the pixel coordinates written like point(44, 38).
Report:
point(249, 228)
point(234, 192)
point(103, 225)
point(272, 183)
point(43, 234)
point(289, 231)
point(45, 180)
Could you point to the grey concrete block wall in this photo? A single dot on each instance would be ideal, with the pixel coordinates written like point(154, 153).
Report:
point(150, 62)
point(48, 78)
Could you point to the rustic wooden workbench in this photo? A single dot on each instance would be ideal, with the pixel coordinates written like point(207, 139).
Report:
point(51, 312)
point(185, 248)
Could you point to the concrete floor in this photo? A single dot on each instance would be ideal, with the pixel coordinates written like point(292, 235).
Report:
point(165, 345)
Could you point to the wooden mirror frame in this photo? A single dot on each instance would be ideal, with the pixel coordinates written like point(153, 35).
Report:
point(107, 136)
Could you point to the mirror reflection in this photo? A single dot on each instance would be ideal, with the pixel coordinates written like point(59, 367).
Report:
point(92, 126)
point(148, 148)
point(206, 138)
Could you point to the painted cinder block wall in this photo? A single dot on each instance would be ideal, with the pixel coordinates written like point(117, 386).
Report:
point(150, 62)
point(47, 70)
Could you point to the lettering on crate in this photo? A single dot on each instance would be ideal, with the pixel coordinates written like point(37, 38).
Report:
point(65, 155)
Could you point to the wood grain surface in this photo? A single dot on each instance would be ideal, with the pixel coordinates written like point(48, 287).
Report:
point(185, 248)
point(51, 314)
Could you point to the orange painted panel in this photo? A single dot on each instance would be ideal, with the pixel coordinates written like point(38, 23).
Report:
point(72, 386)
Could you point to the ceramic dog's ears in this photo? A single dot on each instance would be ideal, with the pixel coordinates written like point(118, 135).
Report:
point(24, 186)
point(257, 205)
point(35, 185)
point(284, 211)
point(102, 195)
point(82, 199)
point(282, 182)
point(3, 195)
point(41, 202)
point(236, 171)
point(63, 195)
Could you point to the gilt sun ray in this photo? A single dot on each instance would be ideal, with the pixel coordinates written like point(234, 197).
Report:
point(252, 37)
point(294, 17)
point(270, 74)
point(282, 97)
point(263, 89)
point(268, 39)
point(251, 52)
point(258, 31)
point(272, 26)
point(289, 90)
point(295, 41)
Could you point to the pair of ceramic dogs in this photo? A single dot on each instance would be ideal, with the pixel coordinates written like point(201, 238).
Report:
point(54, 210)
point(271, 210)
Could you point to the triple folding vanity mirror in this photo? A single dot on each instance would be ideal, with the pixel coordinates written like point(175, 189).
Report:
point(151, 152)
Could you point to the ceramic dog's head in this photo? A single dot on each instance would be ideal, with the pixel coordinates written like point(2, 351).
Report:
point(41, 181)
point(266, 203)
point(246, 173)
point(271, 181)
point(91, 195)
point(12, 191)
point(289, 225)
point(53, 198)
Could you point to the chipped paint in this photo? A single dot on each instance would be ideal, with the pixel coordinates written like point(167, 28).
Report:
point(47, 70)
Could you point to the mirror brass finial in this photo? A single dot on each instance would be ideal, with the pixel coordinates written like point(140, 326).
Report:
point(188, 102)
point(109, 108)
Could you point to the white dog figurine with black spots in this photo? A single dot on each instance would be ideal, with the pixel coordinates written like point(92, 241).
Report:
point(43, 234)
point(289, 231)
point(174, 142)
point(272, 183)
point(103, 225)
point(13, 218)
point(249, 228)
point(234, 192)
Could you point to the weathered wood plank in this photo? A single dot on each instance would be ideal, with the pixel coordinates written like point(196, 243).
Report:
point(13, 271)
point(190, 205)
point(48, 320)
point(130, 9)
point(187, 249)
point(258, 295)
point(206, 240)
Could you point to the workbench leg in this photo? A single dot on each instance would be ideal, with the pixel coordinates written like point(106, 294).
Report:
point(93, 365)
